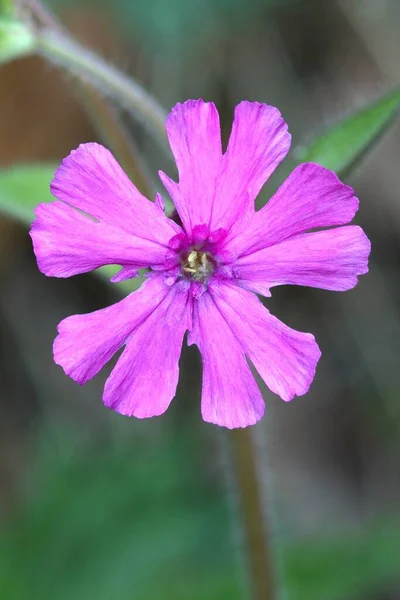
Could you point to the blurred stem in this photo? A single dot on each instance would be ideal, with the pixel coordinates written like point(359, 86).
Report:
point(91, 68)
point(253, 512)
point(107, 122)
point(104, 116)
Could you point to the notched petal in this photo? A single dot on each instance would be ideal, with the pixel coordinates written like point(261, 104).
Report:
point(91, 180)
point(67, 242)
point(286, 359)
point(332, 259)
point(230, 395)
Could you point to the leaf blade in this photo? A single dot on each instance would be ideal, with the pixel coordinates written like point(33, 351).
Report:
point(342, 146)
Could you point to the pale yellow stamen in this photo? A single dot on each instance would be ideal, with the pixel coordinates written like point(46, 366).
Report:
point(199, 265)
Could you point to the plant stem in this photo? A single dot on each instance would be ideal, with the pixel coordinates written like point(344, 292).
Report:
point(107, 122)
point(91, 68)
point(253, 511)
point(104, 116)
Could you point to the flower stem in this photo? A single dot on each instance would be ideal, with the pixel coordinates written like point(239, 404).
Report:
point(91, 68)
point(253, 510)
point(103, 115)
point(106, 121)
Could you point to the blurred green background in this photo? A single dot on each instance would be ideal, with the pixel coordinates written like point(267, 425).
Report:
point(97, 506)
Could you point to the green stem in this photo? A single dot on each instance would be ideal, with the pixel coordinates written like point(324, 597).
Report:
point(103, 115)
point(91, 68)
point(252, 506)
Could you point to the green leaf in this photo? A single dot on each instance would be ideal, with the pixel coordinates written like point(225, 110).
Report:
point(342, 146)
point(16, 39)
point(25, 186)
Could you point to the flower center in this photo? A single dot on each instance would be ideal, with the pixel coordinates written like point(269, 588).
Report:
point(198, 265)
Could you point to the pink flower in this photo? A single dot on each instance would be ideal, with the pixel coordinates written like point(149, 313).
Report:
point(202, 275)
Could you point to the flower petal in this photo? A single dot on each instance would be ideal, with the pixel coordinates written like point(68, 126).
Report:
point(67, 242)
point(311, 197)
point(91, 180)
point(144, 381)
point(259, 141)
point(230, 395)
point(87, 342)
point(330, 260)
point(194, 135)
point(286, 359)
point(214, 189)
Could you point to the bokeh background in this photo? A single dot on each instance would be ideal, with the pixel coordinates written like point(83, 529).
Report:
point(97, 506)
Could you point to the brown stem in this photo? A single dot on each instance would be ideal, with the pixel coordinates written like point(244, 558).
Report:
point(253, 512)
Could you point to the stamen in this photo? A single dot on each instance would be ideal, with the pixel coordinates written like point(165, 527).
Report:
point(192, 256)
point(198, 265)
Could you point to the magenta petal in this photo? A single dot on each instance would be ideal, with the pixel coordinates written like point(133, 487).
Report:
point(259, 141)
point(85, 343)
point(91, 180)
point(286, 359)
point(194, 135)
point(144, 381)
point(66, 243)
point(220, 190)
point(230, 395)
point(331, 260)
point(311, 197)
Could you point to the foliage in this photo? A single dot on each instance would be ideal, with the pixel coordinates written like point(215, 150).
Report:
point(342, 146)
point(140, 519)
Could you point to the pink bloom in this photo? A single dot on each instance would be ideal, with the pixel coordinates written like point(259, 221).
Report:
point(202, 275)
